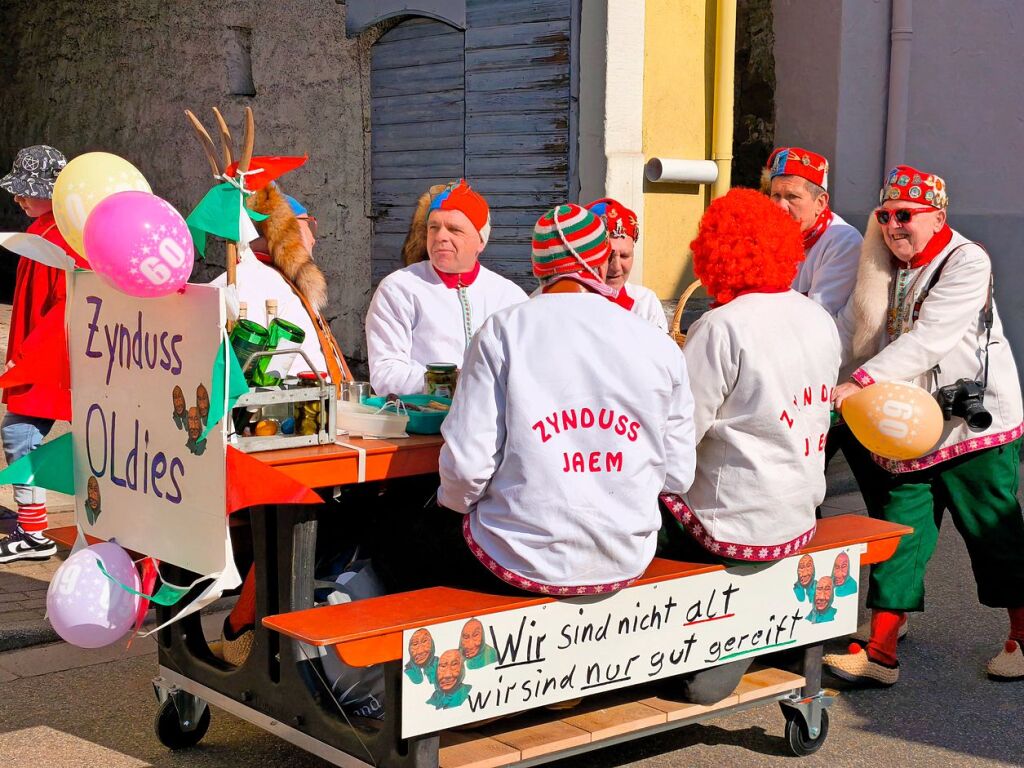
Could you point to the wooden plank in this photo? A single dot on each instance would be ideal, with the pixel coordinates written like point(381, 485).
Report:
point(481, 13)
point(419, 166)
point(546, 76)
point(526, 34)
point(505, 59)
point(418, 108)
point(539, 738)
point(417, 28)
point(460, 749)
point(516, 102)
point(617, 719)
point(681, 710)
point(537, 121)
point(548, 142)
point(431, 51)
point(767, 682)
point(407, 81)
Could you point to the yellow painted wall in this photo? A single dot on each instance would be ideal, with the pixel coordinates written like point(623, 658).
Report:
point(678, 98)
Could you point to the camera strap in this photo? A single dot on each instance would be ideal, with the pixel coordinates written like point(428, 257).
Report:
point(987, 313)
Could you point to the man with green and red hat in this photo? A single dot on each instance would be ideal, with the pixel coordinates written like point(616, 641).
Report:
point(799, 186)
point(569, 418)
point(923, 312)
point(429, 311)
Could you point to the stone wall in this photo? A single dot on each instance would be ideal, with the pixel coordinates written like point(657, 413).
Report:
point(92, 75)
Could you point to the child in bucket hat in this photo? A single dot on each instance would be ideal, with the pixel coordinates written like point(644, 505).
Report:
point(38, 291)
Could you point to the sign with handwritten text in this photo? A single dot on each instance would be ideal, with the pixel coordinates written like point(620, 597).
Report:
point(468, 670)
point(140, 383)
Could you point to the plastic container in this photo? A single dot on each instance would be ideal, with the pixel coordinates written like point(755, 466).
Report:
point(420, 422)
point(356, 419)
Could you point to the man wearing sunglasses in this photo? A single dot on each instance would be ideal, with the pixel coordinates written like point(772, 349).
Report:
point(922, 312)
point(798, 185)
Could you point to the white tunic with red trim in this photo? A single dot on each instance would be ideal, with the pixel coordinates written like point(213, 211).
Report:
point(946, 344)
point(570, 417)
point(647, 305)
point(762, 368)
point(415, 319)
point(829, 271)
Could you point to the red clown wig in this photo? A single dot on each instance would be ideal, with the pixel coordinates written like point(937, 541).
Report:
point(745, 243)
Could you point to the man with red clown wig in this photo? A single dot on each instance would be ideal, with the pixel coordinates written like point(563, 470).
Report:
point(763, 363)
point(429, 311)
point(623, 233)
point(798, 181)
point(923, 312)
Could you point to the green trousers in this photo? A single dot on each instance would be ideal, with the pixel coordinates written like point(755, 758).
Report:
point(980, 492)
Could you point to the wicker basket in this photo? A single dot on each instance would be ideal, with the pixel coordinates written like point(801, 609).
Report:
point(674, 330)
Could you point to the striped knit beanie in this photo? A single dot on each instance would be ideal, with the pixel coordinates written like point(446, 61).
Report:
point(569, 239)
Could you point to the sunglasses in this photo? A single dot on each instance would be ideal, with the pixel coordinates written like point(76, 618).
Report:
point(902, 215)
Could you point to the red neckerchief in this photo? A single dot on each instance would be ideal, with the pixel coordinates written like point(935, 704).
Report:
point(817, 229)
point(935, 246)
point(624, 300)
point(457, 279)
point(717, 304)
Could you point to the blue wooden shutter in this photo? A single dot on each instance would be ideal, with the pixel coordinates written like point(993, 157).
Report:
point(418, 126)
point(519, 119)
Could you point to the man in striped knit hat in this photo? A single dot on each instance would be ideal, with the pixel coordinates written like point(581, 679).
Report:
point(569, 419)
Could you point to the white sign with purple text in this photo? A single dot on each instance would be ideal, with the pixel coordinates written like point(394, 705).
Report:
point(468, 670)
point(140, 384)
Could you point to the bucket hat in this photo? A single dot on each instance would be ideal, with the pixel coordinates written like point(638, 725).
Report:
point(35, 169)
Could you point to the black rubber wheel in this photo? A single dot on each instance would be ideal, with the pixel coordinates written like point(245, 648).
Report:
point(799, 740)
point(169, 731)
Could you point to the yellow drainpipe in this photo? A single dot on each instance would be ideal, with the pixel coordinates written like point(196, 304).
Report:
point(725, 76)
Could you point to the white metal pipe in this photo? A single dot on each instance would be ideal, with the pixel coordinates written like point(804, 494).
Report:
point(681, 171)
point(901, 36)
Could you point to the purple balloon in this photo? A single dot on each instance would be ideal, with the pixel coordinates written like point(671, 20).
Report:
point(139, 244)
point(85, 607)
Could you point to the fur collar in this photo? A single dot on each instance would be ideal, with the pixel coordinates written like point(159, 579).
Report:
point(871, 294)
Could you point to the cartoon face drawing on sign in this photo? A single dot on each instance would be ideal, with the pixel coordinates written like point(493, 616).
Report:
point(92, 501)
point(203, 403)
point(195, 429)
point(450, 690)
point(422, 664)
point(180, 414)
point(475, 651)
point(823, 610)
point(804, 586)
point(843, 582)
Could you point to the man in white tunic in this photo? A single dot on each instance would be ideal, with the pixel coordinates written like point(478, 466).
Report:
point(429, 311)
point(923, 312)
point(799, 186)
point(623, 233)
point(570, 417)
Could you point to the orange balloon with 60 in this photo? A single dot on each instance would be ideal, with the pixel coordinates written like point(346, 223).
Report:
point(894, 419)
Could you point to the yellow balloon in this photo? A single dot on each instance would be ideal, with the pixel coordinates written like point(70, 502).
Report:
point(894, 419)
point(84, 183)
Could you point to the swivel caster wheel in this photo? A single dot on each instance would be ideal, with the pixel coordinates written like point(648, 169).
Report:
point(798, 737)
point(175, 734)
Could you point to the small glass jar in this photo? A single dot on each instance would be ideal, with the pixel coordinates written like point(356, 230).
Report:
point(440, 379)
point(307, 413)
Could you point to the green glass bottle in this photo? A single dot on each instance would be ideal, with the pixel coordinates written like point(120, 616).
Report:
point(283, 336)
point(247, 338)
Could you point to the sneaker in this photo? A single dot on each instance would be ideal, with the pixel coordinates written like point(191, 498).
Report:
point(22, 545)
point(863, 633)
point(1009, 664)
point(857, 667)
point(235, 647)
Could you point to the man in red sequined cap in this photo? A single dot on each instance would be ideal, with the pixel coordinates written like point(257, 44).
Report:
point(429, 311)
point(799, 186)
point(923, 312)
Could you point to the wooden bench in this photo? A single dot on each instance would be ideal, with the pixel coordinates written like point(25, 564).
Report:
point(371, 632)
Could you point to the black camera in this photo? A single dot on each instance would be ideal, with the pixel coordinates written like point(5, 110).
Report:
point(965, 398)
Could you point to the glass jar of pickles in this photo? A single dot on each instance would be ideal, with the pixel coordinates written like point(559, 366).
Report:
point(307, 412)
point(440, 379)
